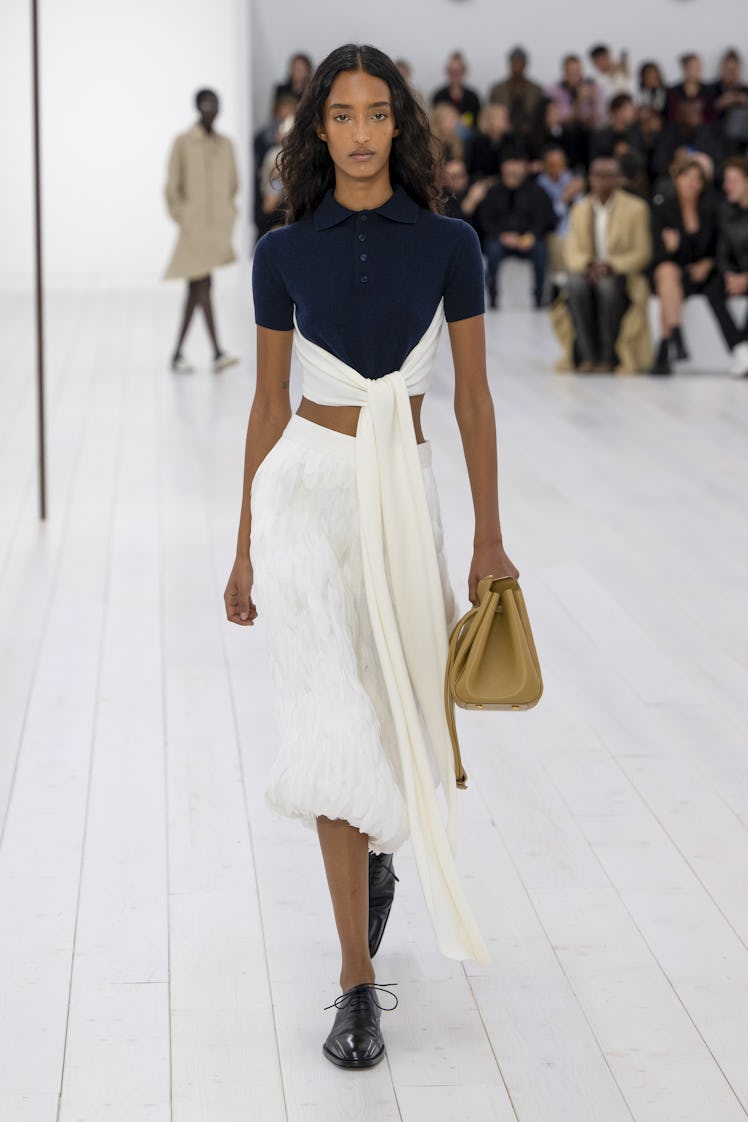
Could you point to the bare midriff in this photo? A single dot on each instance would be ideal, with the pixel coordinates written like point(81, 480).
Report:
point(344, 418)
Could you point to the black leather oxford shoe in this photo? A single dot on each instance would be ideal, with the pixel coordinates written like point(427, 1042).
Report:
point(356, 1038)
point(381, 894)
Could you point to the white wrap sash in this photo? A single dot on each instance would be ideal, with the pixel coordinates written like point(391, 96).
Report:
point(406, 605)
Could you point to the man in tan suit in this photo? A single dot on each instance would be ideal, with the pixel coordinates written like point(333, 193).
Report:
point(607, 249)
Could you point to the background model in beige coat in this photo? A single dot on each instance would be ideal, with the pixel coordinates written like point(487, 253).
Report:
point(201, 187)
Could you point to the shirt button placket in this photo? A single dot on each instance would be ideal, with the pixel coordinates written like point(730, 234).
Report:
point(362, 253)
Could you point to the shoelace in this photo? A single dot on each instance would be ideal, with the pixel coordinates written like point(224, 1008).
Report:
point(357, 995)
point(382, 868)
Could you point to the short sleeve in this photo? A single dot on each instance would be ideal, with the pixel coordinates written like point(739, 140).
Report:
point(273, 304)
point(464, 290)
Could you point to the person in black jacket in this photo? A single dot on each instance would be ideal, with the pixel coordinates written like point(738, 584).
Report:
point(516, 216)
point(684, 239)
point(732, 258)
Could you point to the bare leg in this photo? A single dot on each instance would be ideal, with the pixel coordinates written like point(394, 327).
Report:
point(670, 292)
point(345, 851)
point(206, 304)
point(190, 303)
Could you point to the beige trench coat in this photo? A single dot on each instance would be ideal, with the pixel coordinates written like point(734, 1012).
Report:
point(201, 186)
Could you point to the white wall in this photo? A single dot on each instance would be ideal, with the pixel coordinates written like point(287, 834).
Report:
point(424, 31)
point(118, 83)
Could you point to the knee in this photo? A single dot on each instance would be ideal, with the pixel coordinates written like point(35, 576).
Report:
point(577, 283)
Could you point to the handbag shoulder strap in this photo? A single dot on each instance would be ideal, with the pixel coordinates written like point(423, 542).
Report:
point(449, 701)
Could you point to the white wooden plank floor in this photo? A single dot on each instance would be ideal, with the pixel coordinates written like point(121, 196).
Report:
point(166, 943)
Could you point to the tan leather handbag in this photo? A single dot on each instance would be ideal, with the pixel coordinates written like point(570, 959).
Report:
point(492, 661)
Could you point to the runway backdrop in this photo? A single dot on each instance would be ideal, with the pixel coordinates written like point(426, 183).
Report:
point(118, 80)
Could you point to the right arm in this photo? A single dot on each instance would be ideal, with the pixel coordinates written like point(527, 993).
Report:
point(269, 415)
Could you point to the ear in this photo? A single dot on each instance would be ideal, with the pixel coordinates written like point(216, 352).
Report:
point(322, 135)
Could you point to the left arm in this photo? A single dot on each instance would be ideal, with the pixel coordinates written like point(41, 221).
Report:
point(473, 406)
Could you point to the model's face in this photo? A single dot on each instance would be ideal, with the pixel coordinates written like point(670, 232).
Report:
point(455, 72)
point(650, 78)
point(736, 185)
point(602, 62)
point(358, 124)
point(208, 110)
point(517, 66)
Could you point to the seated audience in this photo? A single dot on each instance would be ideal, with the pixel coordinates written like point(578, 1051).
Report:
point(650, 130)
point(691, 89)
point(406, 70)
point(456, 93)
point(731, 104)
point(266, 139)
point(607, 249)
point(548, 131)
point(622, 134)
point(633, 173)
point(580, 100)
point(652, 92)
point(445, 125)
point(611, 76)
point(299, 72)
point(732, 258)
point(488, 148)
point(516, 216)
point(684, 237)
point(563, 188)
point(690, 132)
point(517, 92)
point(455, 186)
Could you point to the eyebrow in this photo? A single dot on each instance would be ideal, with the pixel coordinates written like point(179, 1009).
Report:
point(371, 105)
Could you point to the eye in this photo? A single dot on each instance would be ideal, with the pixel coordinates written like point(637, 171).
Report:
point(340, 117)
point(381, 116)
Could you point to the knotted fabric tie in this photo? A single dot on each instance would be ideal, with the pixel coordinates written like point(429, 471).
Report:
point(406, 606)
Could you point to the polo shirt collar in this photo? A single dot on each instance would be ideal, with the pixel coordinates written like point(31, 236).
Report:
point(398, 208)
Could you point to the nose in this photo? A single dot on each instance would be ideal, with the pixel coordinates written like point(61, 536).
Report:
point(361, 129)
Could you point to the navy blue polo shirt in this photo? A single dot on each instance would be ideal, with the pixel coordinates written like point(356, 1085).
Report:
point(366, 284)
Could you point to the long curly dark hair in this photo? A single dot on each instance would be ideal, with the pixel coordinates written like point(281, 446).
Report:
point(306, 169)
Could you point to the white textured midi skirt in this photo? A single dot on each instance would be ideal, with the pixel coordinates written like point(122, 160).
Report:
point(337, 752)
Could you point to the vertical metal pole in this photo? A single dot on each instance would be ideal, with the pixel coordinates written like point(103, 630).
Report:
point(38, 266)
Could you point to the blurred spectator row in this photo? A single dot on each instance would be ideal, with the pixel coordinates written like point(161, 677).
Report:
point(607, 183)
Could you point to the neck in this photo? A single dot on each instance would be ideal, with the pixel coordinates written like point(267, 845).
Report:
point(363, 194)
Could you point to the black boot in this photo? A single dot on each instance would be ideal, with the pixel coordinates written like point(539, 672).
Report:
point(662, 361)
point(356, 1038)
point(381, 894)
point(679, 342)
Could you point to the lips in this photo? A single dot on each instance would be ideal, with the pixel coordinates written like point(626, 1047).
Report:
point(363, 154)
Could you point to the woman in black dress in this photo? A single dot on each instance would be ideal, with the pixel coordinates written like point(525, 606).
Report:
point(684, 234)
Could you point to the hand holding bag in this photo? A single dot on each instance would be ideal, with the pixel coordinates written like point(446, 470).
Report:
point(492, 661)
